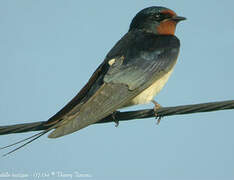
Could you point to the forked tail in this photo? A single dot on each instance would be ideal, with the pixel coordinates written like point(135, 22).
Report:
point(27, 127)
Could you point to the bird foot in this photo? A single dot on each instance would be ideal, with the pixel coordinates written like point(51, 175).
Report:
point(114, 118)
point(156, 107)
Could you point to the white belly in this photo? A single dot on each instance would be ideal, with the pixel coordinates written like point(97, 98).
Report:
point(148, 94)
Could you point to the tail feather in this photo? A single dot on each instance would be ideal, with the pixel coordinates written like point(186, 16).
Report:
point(30, 140)
point(43, 126)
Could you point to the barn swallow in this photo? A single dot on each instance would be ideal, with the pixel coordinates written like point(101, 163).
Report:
point(132, 73)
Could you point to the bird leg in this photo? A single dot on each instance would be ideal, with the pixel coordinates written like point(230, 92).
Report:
point(114, 118)
point(156, 107)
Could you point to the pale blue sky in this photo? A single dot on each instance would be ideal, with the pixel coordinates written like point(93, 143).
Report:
point(49, 49)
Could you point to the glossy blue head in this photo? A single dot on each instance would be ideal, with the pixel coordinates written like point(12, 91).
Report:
point(156, 19)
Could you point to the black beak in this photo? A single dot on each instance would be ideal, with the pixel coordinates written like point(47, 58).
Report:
point(178, 18)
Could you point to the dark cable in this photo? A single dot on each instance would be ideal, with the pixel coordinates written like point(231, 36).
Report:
point(169, 111)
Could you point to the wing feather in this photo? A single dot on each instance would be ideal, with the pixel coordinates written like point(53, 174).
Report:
point(105, 101)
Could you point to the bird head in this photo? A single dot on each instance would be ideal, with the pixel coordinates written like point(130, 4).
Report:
point(157, 20)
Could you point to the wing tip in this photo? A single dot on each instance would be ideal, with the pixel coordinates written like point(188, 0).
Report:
point(54, 135)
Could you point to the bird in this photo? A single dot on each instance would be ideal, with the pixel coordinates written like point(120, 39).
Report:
point(132, 73)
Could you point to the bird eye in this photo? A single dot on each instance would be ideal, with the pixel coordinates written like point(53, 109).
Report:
point(158, 17)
